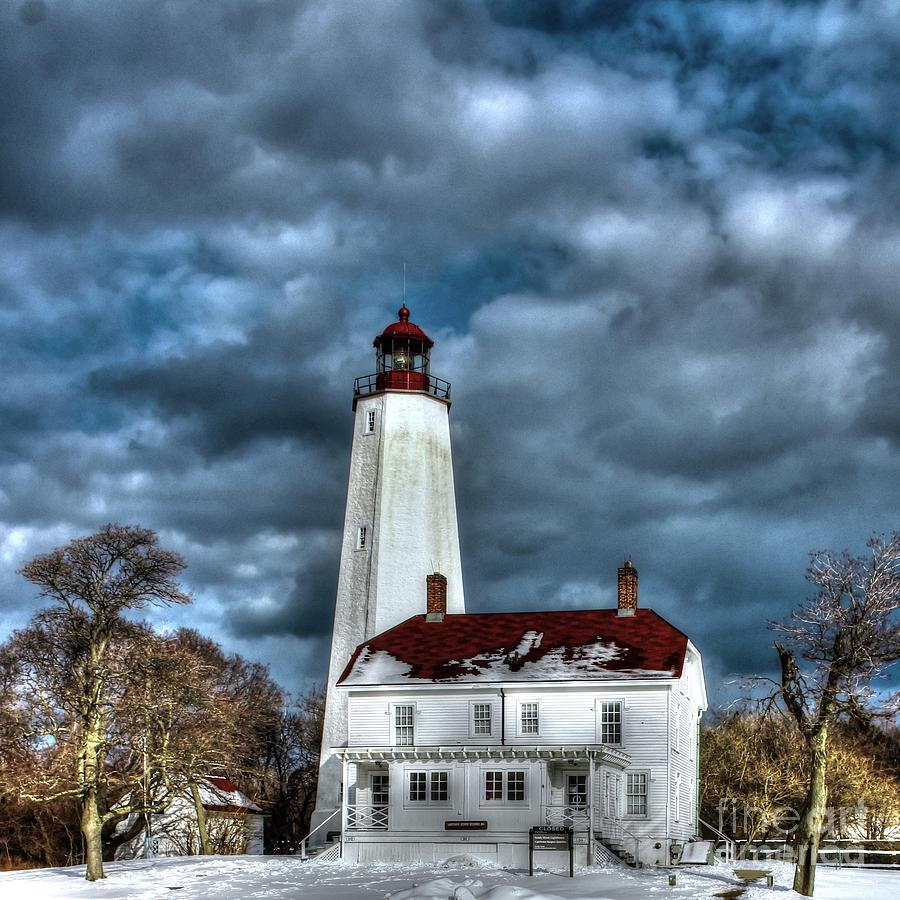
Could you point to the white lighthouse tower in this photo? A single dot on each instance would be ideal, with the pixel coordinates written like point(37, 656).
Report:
point(400, 521)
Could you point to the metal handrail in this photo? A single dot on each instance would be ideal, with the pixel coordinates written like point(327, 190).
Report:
point(323, 822)
point(729, 843)
point(368, 384)
point(619, 829)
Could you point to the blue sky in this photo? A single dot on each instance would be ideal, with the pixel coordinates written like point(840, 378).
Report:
point(656, 244)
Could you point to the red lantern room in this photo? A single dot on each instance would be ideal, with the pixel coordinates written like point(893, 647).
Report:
point(402, 362)
point(403, 350)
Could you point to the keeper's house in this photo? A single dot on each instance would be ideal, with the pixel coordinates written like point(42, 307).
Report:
point(466, 730)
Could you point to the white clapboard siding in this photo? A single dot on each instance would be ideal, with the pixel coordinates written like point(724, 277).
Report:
point(441, 719)
point(369, 724)
point(683, 761)
point(644, 738)
point(566, 716)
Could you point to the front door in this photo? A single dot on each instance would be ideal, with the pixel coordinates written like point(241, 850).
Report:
point(379, 791)
point(576, 791)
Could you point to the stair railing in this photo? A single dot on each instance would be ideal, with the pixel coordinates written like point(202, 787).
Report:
point(729, 843)
point(620, 832)
point(320, 825)
point(637, 845)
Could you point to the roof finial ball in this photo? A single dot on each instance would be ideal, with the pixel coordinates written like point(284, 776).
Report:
point(403, 313)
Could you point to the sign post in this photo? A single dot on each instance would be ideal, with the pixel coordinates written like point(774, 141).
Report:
point(551, 837)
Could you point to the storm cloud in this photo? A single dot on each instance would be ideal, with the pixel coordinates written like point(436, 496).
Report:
point(656, 243)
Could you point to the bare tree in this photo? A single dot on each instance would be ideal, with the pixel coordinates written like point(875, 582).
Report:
point(70, 666)
point(215, 719)
point(285, 771)
point(837, 645)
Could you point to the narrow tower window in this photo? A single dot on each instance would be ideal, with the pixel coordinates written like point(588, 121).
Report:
point(362, 537)
point(370, 422)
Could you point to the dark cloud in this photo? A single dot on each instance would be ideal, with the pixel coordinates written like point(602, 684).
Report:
point(656, 244)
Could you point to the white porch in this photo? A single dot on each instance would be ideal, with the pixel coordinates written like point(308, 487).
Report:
point(430, 803)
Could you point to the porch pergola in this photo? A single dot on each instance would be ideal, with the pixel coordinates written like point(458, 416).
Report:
point(574, 754)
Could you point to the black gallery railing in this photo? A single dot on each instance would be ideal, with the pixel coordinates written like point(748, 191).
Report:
point(401, 380)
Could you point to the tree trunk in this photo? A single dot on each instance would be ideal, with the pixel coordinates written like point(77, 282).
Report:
point(205, 846)
point(93, 839)
point(89, 777)
point(809, 831)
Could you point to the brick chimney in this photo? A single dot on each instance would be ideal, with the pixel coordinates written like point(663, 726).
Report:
point(436, 604)
point(628, 576)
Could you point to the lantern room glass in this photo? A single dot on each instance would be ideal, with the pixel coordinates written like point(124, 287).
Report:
point(403, 355)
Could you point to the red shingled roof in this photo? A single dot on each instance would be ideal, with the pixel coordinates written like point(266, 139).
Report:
point(223, 784)
point(558, 645)
point(221, 795)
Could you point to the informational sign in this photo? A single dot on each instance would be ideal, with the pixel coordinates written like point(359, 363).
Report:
point(551, 837)
point(465, 825)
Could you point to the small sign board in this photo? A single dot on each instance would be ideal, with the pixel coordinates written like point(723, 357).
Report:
point(465, 825)
point(551, 837)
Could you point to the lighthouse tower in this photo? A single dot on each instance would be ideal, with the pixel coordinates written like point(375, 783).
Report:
point(400, 521)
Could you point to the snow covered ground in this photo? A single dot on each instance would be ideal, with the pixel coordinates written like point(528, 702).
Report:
point(286, 878)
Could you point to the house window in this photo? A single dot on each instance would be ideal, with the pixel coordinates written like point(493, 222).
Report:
point(676, 729)
point(439, 787)
point(636, 794)
point(528, 718)
point(417, 783)
point(576, 791)
point(493, 785)
point(431, 788)
point(481, 718)
point(362, 534)
point(676, 799)
point(500, 786)
point(611, 722)
point(403, 726)
point(515, 786)
point(370, 421)
point(380, 789)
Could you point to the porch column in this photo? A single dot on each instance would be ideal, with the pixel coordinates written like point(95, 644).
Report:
point(590, 799)
point(345, 795)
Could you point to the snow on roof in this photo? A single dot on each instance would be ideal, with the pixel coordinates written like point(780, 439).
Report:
point(565, 645)
point(220, 795)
